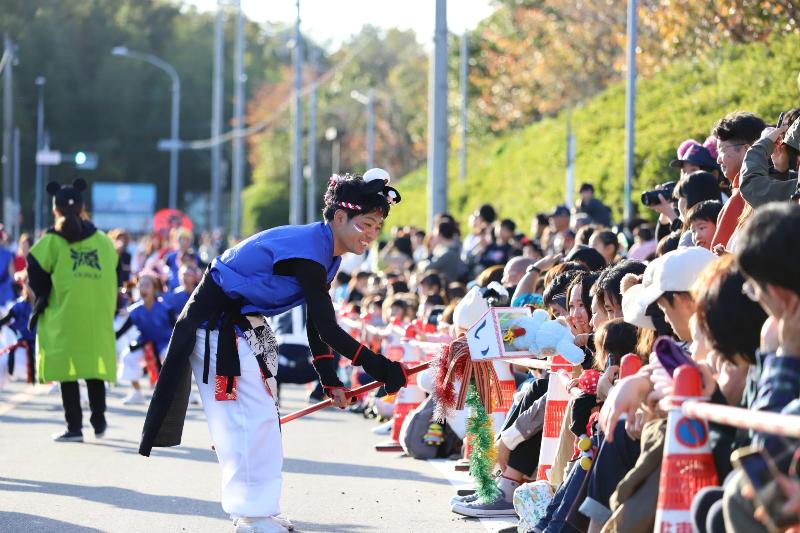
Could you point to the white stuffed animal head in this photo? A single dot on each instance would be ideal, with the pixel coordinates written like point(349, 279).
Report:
point(545, 338)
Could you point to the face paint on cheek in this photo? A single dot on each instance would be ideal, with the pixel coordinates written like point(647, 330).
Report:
point(358, 228)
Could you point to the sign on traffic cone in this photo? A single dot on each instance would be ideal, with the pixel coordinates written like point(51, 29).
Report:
point(556, 406)
point(688, 465)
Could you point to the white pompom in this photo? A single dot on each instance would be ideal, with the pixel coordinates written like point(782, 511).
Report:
point(376, 174)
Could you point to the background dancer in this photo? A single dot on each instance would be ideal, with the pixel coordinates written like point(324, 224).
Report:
point(154, 320)
point(72, 271)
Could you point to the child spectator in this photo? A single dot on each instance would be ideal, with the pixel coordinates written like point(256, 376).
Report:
point(702, 221)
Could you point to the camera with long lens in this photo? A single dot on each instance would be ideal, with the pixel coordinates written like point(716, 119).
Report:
point(651, 197)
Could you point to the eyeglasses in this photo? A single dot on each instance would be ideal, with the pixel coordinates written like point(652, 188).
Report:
point(751, 289)
point(724, 147)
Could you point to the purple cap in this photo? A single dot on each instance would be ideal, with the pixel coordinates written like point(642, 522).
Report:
point(696, 154)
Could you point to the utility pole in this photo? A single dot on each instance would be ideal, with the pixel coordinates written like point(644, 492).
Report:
point(370, 128)
point(570, 163)
point(15, 172)
point(311, 198)
point(216, 118)
point(37, 208)
point(630, 109)
point(437, 118)
point(296, 189)
point(8, 128)
point(237, 146)
point(462, 172)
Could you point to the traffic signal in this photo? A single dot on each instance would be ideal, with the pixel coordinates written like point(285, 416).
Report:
point(85, 160)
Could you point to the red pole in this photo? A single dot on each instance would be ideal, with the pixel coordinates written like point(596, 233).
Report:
point(355, 392)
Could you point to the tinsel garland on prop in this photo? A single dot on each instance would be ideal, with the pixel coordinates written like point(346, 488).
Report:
point(454, 364)
point(482, 458)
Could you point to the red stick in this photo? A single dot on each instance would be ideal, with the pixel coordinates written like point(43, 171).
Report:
point(349, 394)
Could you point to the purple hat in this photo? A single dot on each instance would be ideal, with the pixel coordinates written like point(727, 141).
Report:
point(696, 154)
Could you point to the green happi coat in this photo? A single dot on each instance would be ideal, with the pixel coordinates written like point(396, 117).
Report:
point(75, 332)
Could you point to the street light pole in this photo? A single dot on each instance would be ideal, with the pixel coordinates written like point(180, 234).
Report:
point(237, 174)
point(37, 208)
point(437, 118)
point(216, 119)
point(332, 136)
point(296, 184)
point(8, 129)
point(630, 109)
point(311, 190)
point(463, 75)
point(175, 116)
point(368, 100)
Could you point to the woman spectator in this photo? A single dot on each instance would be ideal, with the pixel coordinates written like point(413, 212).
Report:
point(607, 244)
point(72, 271)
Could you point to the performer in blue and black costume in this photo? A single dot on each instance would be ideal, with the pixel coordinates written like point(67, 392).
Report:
point(265, 275)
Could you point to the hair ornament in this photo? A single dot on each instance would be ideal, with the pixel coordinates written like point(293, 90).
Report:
point(348, 205)
point(334, 180)
point(376, 174)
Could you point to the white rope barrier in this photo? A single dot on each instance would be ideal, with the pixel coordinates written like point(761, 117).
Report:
point(776, 423)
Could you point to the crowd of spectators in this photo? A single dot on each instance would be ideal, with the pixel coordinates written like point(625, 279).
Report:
point(715, 273)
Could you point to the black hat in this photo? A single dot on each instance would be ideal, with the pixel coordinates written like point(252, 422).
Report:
point(66, 196)
point(560, 211)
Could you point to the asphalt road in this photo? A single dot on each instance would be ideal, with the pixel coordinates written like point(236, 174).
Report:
point(333, 479)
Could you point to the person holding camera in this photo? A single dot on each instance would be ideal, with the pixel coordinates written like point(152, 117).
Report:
point(697, 187)
point(769, 171)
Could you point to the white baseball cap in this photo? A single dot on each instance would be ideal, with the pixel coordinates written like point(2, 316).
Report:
point(632, 311)
point(675, 271)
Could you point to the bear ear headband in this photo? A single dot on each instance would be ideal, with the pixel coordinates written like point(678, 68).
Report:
point(379, 175)
point(79, 185)
point(377, 180)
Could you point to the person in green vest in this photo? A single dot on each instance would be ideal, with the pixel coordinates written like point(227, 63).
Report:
point(72, 271)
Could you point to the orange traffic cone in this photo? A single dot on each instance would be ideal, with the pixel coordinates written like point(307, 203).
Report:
point(408, 398)
point(556, 406)
point(688, 465)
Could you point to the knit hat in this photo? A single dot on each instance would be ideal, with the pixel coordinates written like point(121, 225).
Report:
point(66, 196)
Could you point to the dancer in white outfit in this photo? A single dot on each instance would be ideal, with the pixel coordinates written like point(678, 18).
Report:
point(223, 336)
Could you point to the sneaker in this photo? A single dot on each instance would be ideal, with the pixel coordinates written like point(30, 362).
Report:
point(68, 436)
point(383, 429)
point(99, 433)
point(464, 498)
point(271, 524)
point(285, 522)
point(503, 505)
point(476, 509)
point(135, 397)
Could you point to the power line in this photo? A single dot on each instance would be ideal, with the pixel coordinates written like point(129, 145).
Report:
point(258, 127)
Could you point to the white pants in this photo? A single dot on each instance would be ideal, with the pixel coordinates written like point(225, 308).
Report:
point(130, 368)
point(246, 433)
